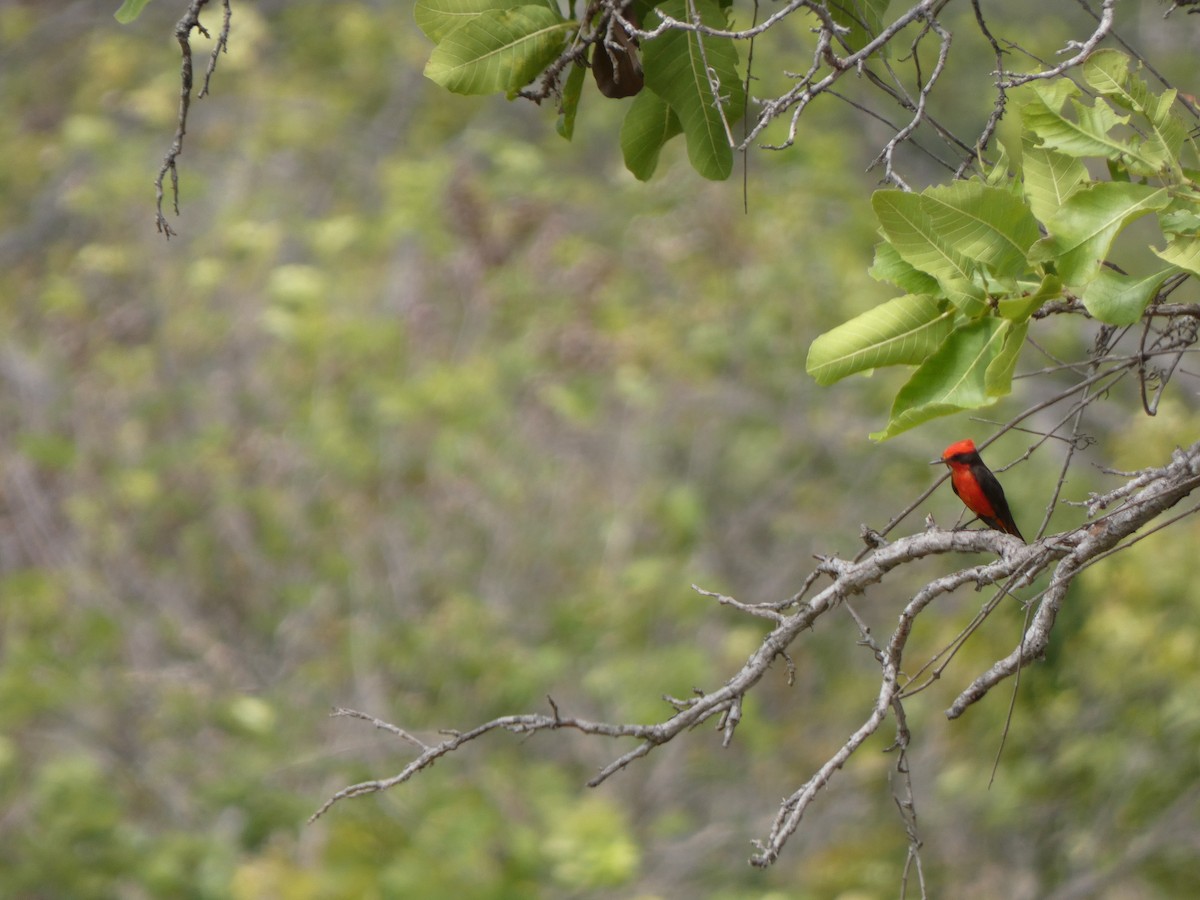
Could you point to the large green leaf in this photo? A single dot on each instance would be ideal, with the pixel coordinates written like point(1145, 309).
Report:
point(1041, 106)
point(1121, 299)
point(498, 50)
point(437, 18)
point(1090, 132)
point(985, 224)
point(1107, 71)
point(648, 125)
point(1050, 177)
point(675, 69)
point(908, 227)
point(1083, 229)
point(902, 331)
point(955, 377)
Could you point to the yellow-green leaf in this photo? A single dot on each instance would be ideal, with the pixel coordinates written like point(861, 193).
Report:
point(902, 331)
point(498, 50)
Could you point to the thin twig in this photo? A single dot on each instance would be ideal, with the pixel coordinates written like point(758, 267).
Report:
point(183, 32)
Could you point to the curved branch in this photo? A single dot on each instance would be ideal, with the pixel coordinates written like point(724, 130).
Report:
point(1085, 48)
point(1145, 495)
point(1154, 491)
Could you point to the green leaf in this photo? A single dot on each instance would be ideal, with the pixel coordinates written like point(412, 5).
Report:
point(130, 10)
point(1116, 170)
point(498, 50)
point(1083, 229)
point(952, 379)
point(1019, 308)
point(568, 105)
point(1050, 177)
point(1184, 252)
point(648, 125)
point(985, 224)
point(997, 380)
point(437, 18)
point(1041, 113)
point(1089, 133)
point(1107, 71)
point(1121, 299)
point(889, 266)
point(675, 69)
point(902, 331)
point(907, 225)
point(998, 174)
point(1181, 216)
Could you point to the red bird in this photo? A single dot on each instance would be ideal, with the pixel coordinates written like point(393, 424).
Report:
point(977, 487)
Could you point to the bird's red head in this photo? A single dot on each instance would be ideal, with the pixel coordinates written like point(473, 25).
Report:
point(964, 446)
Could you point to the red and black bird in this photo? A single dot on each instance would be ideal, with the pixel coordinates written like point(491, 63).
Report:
point(977, 487)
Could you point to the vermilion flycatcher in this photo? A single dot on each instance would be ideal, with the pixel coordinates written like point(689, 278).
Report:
point(977, 487)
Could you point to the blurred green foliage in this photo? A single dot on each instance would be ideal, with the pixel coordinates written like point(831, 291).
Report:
point(429, 413)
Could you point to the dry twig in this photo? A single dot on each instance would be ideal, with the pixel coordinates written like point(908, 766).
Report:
point(1145, 496)
point(183, 32)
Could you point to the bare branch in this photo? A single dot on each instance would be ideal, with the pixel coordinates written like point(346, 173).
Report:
point(886, 156)
point(382, 725)
point(1169, 331)
point(183, 32)
point(1146, 495)
point(1157, 491)
point(526, 724)
point(1103, 27)
point(669, 23)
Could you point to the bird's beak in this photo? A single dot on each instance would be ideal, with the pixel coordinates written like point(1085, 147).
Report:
point(936, 462)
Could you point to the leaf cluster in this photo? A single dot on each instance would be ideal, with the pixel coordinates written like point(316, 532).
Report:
point(978, 258)
point(691, 80)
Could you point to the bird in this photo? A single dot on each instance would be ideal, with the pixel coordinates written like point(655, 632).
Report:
point(977, 487)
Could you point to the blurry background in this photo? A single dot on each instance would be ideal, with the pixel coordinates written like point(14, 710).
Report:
point(430, 413)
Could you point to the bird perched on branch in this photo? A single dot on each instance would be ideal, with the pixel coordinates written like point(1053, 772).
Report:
point(977, 487)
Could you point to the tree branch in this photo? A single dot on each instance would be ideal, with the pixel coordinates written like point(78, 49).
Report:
point(183, 32)
point(1146, 495)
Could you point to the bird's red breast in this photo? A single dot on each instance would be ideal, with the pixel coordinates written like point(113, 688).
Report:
point(970, 490)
